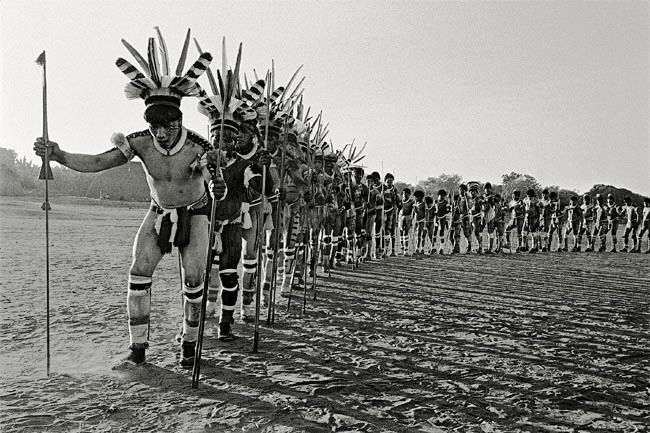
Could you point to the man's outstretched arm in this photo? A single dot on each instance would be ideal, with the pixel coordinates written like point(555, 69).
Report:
point(79, 161)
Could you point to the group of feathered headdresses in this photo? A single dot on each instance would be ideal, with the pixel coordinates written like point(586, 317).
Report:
point(275, 109)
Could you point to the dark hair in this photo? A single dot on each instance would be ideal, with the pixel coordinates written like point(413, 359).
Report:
point(463, 187)
point(553, 194)
point(530, 193)
point(487, 185)
point(418, 193)
point(646, 200)
point(389, 176)
point(627, 200)
point(574, 198)
point(428, 199)
point(442, 192)
point(545, 191)
point(406, 190)
point(162, 114)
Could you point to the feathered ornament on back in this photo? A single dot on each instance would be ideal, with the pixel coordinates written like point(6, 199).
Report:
point(155, 82)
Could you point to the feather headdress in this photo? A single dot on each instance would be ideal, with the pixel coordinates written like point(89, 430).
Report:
point(224, 103)
point(351, 159)
point(280, 103)
point(156, 83)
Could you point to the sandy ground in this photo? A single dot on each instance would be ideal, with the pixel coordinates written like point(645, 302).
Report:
point(539, 343)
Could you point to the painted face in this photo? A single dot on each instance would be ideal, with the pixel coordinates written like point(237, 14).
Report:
point(272, 143)
point(166, 135)
point(245, 143)
point(228, 139)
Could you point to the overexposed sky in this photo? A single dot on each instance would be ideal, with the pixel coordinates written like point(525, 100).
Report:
point(555, 89)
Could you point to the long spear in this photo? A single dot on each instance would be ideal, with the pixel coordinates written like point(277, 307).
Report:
point(310, 212)
point(46, 175)
point(196, 368)
point(270, 318)
point(260, 223)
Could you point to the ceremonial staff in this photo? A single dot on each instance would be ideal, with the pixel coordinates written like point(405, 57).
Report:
point(307, 239)
point(206, 279)
point(270, 317)
point(227, 91)
point(260, 223)
point(46, 175)
point(304, 230)
point(354, 238)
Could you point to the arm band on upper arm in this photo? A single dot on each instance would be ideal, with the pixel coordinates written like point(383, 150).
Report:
point(122, 144)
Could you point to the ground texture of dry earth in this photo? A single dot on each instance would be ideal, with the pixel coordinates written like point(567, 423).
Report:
point(541, 343)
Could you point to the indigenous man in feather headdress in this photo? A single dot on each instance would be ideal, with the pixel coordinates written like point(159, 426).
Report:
point(233, 126)
point(171, 156)
point(295, 186)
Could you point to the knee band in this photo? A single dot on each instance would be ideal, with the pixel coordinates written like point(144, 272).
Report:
point(250, 266)
point(229, 286)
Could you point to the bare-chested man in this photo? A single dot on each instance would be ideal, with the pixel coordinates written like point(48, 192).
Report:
point(178, 215)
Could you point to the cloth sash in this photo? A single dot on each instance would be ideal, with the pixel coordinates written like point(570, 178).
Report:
point(173, 225)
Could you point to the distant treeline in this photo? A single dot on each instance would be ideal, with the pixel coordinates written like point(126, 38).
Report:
point(19, 177)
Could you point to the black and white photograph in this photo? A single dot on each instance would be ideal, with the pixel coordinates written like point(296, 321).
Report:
point(288, 216)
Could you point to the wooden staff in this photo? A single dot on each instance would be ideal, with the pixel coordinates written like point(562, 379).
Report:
point(270, 318)
point(46, 175)
point(260, 223)
point(309, 229)
point(196, 368)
